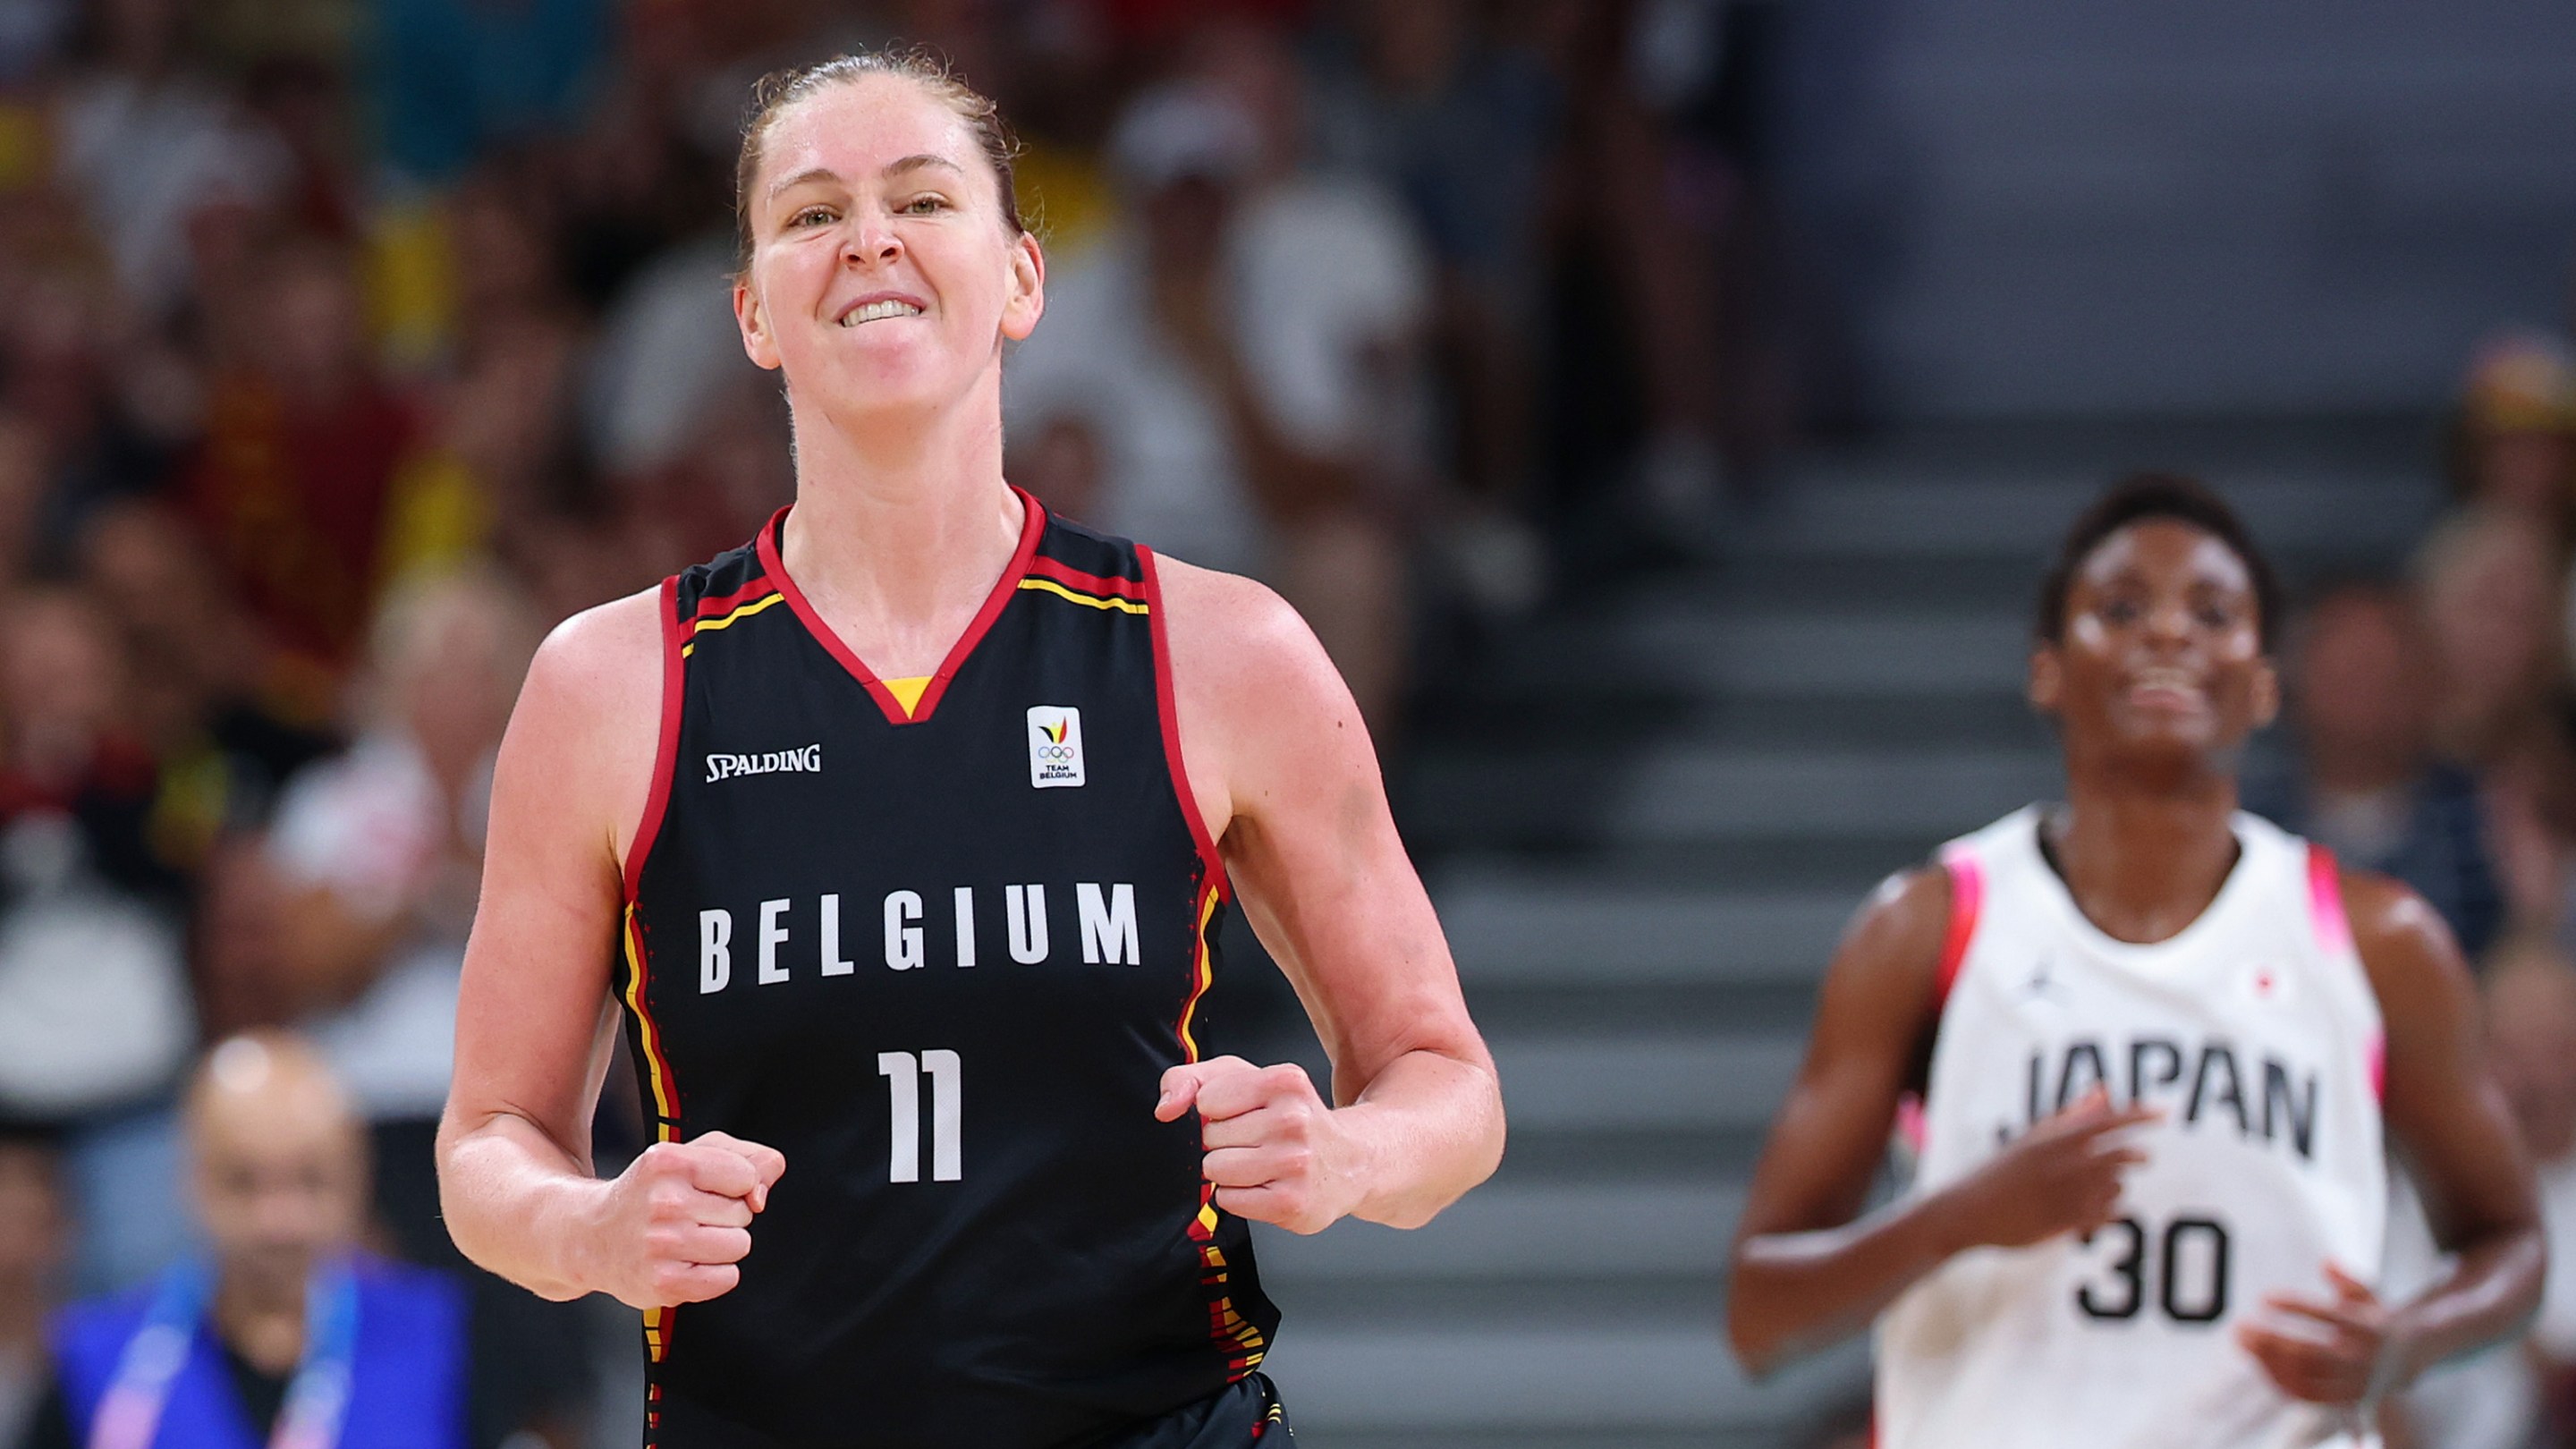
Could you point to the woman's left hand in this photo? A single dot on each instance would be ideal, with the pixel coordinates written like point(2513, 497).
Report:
point(1275, 1150)
point(2353, 1360)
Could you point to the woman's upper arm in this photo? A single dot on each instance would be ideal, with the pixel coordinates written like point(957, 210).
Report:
point(1873, 1019)
point(1283, 772)
point(568, 791)
point(2441, 1101)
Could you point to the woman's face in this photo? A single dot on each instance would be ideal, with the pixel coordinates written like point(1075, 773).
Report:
point(2162, 652)
point(883, 276)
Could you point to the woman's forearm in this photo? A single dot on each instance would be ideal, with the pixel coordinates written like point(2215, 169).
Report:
point(2493, 1288)
point(1794, 1292)
point(1430, 1127)
point(518, 1204)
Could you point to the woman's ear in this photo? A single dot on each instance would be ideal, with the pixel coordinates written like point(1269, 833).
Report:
point(757, 344)
point(2047, 679)
point(1028, 289)
point(2267, 693)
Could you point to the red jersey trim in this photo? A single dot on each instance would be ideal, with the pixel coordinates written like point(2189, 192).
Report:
point(665, 1104)
point(1032, 525)
point(666, 754)
point(1967, 900)
point(1168, 708)
point(716, 606)
point(1107, 588)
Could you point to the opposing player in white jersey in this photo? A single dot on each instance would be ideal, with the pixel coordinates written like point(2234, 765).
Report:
point(2154, 1043)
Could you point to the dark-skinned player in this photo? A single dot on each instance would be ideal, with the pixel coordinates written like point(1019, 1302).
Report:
point(2149, 1048)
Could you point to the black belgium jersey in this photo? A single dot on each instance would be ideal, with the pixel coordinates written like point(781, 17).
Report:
point(936, 940)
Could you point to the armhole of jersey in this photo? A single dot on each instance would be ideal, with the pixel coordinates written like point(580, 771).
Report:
point(666, 750)
point(1167, 709)
point(2325, 902)
point(2333, 927)
point(1967, 901)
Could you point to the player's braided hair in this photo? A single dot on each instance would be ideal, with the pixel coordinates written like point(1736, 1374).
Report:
point(2145, 496)
point(778, 90)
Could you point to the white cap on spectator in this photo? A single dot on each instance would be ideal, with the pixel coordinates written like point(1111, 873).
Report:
point(1179, 130)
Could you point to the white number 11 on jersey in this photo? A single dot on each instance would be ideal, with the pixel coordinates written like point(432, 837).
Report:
point(903, 1072)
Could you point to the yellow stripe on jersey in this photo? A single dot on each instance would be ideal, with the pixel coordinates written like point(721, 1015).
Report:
point(746, 611)
point(649, 1036)
point(726, 621)
point(1124, 606)
point(1202, 975)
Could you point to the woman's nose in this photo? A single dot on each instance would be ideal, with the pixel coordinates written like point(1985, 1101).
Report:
point(870, 239)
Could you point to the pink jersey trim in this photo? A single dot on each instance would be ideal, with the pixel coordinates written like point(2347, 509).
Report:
point(1967, 899)
point(2334, 934)
point(2325, 901)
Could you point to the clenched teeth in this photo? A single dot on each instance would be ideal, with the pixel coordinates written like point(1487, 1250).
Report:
point(877, 311)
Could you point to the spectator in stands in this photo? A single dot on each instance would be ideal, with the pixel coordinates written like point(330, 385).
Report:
point(283, 1303)
point(1417, 97)
point(2491, 601)
point(32, 1247)
point(2367, 783)
point(2514, 442)
point(377, 852)
point(95, 1019)
point(1151, 346)
point(2531, 1032)
point(201, 694)
point(305, 445)
point(150, 143)
point(369, 875)
point(102, 399)
point(454, 78)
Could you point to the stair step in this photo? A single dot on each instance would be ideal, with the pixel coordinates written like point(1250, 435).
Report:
point(1627, 1082)
point(1600, 1384)
point(1522, 926)
point(1924, 513)
point(1512, 1230)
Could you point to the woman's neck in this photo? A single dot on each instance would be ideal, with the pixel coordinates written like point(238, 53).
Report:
point(2144, 861)
point(900, 531)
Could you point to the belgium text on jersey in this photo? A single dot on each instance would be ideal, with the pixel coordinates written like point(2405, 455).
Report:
point(808, 759)
point(1105, 918)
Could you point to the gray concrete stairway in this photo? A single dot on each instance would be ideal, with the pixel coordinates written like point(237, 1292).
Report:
point(1645, 820)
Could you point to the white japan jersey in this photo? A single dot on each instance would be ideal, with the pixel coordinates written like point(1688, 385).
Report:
point(2258, 1034)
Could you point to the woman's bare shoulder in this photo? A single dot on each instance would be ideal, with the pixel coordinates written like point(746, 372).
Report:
point(1234, 633)
point(589, 719)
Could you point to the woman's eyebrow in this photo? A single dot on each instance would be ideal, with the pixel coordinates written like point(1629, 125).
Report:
point(919, 160)
point(893, 168)
point(810, 173)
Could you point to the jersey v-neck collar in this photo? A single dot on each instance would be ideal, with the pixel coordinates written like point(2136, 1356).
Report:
point(1032, 526)
point(2140, 954)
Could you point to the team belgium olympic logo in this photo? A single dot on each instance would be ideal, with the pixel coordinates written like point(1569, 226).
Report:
point(1055, 746)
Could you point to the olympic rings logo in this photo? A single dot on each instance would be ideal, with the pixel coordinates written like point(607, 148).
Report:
point(1060, 754)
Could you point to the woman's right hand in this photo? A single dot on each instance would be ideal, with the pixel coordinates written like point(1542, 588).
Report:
point(673, 1226)
point(2062, 1176)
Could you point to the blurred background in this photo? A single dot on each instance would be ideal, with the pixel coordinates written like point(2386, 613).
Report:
point(1661, 409)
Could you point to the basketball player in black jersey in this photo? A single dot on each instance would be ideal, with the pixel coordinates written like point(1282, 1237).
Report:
point(897, 842)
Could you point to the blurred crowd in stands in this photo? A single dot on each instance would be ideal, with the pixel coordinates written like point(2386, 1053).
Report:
point(347, 345)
